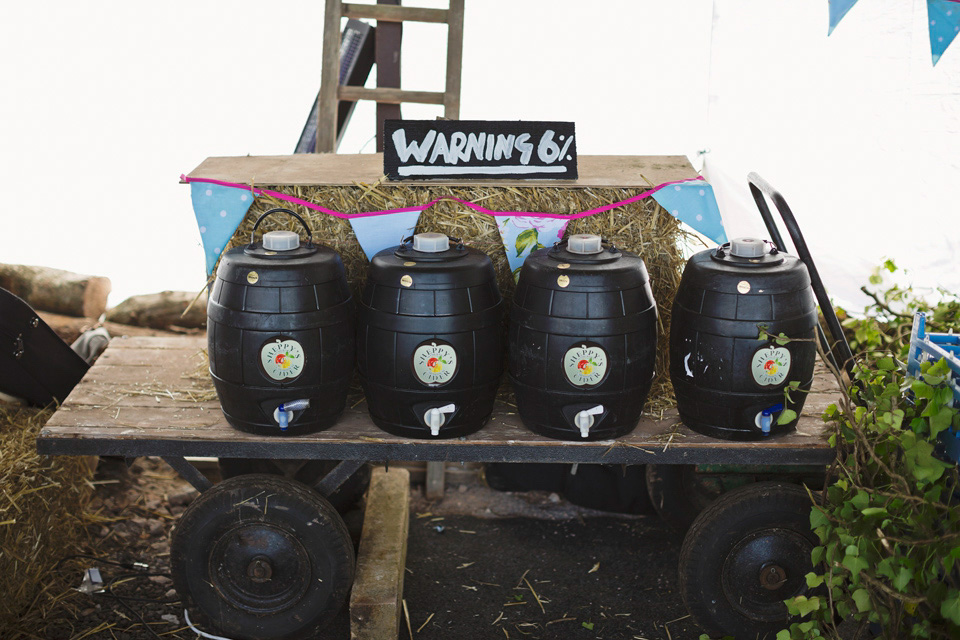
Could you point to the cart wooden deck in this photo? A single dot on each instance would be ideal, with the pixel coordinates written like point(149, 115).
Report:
point(152, 397)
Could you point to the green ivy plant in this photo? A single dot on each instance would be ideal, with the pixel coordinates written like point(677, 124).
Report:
point(889, 525)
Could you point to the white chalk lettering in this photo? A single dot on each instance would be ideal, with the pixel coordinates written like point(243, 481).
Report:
point(504, 147)
point(475, 144)
point(419, 152)
point(440, 149)
point(458, 143)
point(524, 147)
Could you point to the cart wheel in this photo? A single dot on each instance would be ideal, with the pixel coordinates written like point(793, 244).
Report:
point(309, 472)
point(744, 555)
point(259, 556)
point(678, 493)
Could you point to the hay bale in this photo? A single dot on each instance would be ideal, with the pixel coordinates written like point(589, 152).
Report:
point(642, 227)
point(42, 500)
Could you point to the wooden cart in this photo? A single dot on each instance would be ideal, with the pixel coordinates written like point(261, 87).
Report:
point(141, 399)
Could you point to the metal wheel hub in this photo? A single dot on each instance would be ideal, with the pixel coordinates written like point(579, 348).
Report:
point(259, 567)
point(764, 569)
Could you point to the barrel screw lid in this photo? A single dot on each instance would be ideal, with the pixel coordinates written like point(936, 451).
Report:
point(584, 244)
point(431, 242)
point(748, 248)
point(281, 241)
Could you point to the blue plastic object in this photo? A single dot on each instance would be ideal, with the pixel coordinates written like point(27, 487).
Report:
point(767, 415)
point(931, 347)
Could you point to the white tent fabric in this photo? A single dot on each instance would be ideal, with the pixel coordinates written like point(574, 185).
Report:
point(104, 106)
point(859, 132)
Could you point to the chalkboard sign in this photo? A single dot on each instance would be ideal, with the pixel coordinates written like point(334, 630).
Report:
point(481, 149)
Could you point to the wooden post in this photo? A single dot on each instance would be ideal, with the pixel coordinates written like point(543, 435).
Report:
point(436, 480)
point(376, 599)
point(329, 79)
point(388, 40)
point(451, 101)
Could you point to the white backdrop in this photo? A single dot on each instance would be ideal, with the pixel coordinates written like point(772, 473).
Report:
point(104, 105)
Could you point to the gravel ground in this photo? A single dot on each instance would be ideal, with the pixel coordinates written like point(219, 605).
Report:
point(480, 564)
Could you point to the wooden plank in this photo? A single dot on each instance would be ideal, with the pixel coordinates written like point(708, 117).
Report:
point(393, 14)
point(137, 400)
point(451, 101)
point(322, 169)
point(377, 594)
point(388, 95)
point(329, 79)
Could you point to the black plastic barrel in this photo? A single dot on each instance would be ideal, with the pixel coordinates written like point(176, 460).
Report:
point(429, 341)
point(280, 331)
point(582, 340)
point(728, 367)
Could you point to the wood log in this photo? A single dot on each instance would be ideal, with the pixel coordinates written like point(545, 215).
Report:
point(162, 310)
point(376, 601)
point(62, 292)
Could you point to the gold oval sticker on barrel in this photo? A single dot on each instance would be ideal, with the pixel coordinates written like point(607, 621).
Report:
point(253, 277)
point(563, 281)
point(406, 281)
point(563, 265)
point(409, 264)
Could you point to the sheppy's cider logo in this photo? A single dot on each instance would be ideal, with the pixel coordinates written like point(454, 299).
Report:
point(282, 359)
point(434, 363)
point(770, 365)
point(585, 364)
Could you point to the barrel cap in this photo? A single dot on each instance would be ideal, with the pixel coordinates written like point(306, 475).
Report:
point(584, 244)
point(748, 247)
point(431, 242)
point(281, 241)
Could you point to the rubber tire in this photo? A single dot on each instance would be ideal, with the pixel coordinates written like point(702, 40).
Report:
point(293, 507)
point(733, 517)
point(309, 472)
point(676, 495)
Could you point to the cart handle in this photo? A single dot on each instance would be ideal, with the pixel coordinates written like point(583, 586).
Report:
point(761, 189)
point(281, 210)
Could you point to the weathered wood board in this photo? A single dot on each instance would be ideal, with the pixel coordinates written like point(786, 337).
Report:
point(140, 399)
point(346, 169)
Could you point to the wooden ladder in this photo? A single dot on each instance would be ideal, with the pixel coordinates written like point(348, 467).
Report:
point(331, 92)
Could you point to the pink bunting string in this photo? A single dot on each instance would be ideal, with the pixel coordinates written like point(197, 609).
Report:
point(288, 198)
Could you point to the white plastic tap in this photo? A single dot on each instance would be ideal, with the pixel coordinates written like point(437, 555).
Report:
point(584, 419)
point(434, 418)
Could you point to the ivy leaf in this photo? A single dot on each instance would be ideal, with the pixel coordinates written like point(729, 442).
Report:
point(950, 608)
point(787, 416)
point(805, 605)
point(525, 240)
point(854, 564)
point(862, 599)
point(921, 389)
point(903, 578)
point(813, 580)
point(783, 634)
point(886, 364)
point(941, 421)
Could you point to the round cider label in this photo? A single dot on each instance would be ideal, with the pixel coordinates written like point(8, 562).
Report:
point(282, 358)
point(435, 362)
point(585, 364)
point(770, 365)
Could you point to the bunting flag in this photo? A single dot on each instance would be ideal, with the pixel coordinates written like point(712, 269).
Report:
point(838, 9)
point(221, 206)
point(376, 233)
point(694, 203)
point(522, 235)
point(219, 211)
point(944, 19)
